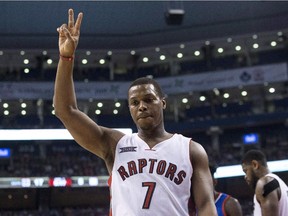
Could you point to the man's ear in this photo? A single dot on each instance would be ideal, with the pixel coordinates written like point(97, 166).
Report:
point(255, 164)
point(164, 103)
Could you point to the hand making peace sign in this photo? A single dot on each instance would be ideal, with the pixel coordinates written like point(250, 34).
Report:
point(69, 35)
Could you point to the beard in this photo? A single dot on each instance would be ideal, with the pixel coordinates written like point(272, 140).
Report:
point(254, 180)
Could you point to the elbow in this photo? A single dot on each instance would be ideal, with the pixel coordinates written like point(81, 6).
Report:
point(63, 109)
point(57, 112)
point(64, 112)
point(57, 109)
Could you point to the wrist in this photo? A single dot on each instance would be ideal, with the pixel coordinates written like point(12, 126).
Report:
point(66, 58)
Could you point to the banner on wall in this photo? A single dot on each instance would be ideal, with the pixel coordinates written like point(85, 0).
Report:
point(171, 85)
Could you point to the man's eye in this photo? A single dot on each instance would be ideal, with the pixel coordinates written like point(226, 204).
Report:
point(149, 100)
point(134, 103)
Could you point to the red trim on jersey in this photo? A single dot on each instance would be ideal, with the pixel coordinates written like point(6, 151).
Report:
point(110, 180)
point(109, 184)
point(224, 203)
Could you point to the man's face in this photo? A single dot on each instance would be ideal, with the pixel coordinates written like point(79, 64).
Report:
point(146, 107)
point(250, 176)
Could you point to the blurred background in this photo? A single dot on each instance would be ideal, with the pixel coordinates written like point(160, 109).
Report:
point(222, 65)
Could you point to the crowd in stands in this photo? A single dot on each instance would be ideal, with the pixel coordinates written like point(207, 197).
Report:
point(63, 158)
point(66, 158)
point(67, 211)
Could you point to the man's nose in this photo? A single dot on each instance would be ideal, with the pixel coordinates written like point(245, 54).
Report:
point(142, 106)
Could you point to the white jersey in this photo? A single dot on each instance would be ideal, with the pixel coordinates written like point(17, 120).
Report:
point(153, 181)
point(283, 202)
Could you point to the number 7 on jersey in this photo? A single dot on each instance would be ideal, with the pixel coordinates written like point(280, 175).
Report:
point(151, 187)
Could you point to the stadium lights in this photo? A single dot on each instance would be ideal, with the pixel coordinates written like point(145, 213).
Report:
point(236, 170)
point(42, 134)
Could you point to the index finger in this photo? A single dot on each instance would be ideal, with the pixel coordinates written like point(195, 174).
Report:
point(71, 18)
point(78, 21)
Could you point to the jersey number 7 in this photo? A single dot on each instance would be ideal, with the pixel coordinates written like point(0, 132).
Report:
point(151, 187)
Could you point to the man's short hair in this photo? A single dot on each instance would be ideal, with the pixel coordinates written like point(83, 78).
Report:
point(254, 154)
point(147, 80)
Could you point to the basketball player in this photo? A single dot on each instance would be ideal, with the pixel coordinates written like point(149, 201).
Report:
point(152, 172)
point(271, 193)
point(226, 205)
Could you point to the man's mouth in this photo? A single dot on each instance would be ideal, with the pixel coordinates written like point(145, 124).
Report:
point(143, 116)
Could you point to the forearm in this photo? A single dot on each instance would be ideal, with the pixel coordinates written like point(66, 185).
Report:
point(208, 209)
point(202, 186)
point(64, 92)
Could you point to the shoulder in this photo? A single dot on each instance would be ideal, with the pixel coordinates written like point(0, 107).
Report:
point(232, 206)
point(127, 140)
point(181, 137)
point(231, 201)
point(197, 152)
point(260, 186)
point(263, 181)
point(198, 156)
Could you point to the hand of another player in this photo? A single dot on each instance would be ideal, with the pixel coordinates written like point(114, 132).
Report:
point(69, 35)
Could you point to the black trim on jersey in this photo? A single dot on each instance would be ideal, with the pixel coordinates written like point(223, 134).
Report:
point(270, 186)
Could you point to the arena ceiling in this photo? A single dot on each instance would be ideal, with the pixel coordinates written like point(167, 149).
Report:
point(122, 26)
point(136, 24)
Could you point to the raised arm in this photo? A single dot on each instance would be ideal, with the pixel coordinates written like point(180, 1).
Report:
point(202, 186)
point(99, 140)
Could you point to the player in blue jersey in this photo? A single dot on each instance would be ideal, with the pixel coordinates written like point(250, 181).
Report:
point(226, 205)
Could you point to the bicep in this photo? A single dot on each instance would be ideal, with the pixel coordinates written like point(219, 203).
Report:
point(269, 203)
